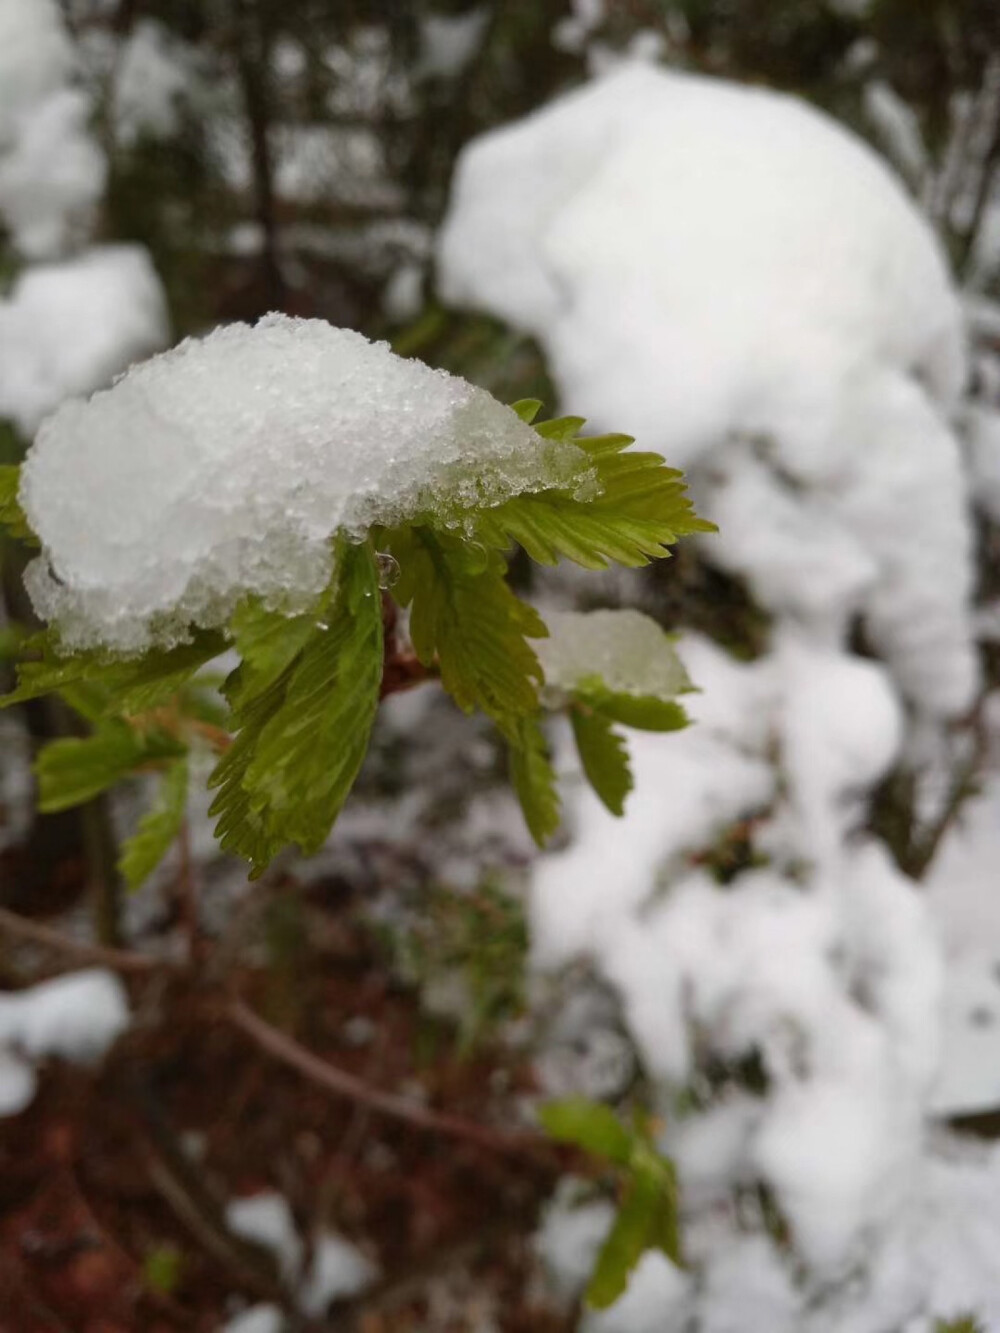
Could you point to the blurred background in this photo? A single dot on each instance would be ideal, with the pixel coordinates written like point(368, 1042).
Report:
point(789, 949)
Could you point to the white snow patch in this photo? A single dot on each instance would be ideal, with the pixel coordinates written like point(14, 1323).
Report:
point(257, 1319)
point(266, 1219)
point(154, 74)
point(625, 649)
point(75, 1017)
point(69, 328)
point(258, 444)
point(338, 1270)
point(51, 170)
point(448, 42)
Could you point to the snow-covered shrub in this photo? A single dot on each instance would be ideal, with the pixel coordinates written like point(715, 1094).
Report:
point(745, 286)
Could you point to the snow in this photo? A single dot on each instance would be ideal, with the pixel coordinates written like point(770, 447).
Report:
point(625, 649)
point(152, 77)
point(258, 444)
point(448, 42)
point(51, 170)
point(257, 1319)
point(646, 260)
point(266, 1219)
point(337, 1269)
point(75, 1017)
point(68, 328)
point(962, 891)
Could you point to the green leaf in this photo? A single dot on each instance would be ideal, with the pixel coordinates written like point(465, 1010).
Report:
point(964, 1324)
point(158, 828)
point(128, 685)
point(464, 615)
point(302, 717)
point(527, 408)
point(629, 1238)
point(72, 771)
point(589, 1125)
point(163, 1268)
point(644, 712)
point(640, 508)
point(534, 780)
point(604, 756)
point(12, 516)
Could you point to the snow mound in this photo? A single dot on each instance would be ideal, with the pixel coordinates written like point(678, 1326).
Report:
point(68, 328)
point(627, 650)
point(798, 350)
point(224, 466)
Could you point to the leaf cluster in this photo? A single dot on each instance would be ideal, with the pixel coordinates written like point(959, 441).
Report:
point(300, 705)
point(647, 1217)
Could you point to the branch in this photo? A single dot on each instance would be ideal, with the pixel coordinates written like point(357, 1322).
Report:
point(118, 960)
point(343, 1084)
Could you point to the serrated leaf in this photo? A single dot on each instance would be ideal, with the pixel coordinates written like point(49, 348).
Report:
point(644, 712)
point(302, 720)
point(640, 509)
point(534, 780)
point(143, 852)
point(630, 1236)
point(604, 756)
point(12, 516)
point(589, 1125)
point(128, 685)
point(74, 770)
point(464, 616)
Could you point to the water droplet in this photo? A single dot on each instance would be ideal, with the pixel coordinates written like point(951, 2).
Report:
point(388, 569)
point(321, 624)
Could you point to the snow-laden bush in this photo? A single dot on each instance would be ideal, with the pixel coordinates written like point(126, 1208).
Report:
point(735, 280)
point(744, 285)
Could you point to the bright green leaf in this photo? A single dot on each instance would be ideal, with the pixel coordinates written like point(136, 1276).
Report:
point(129, 685)
point(527, 408)
point(158, 828)
point(589, 1125)
point(534, 780)
point(641, 711)
point(639, 509)
point(630, 1237)
point(12, 516)
point(604, 756)
point(464, 615)
point(302, 719)
point(74, 770)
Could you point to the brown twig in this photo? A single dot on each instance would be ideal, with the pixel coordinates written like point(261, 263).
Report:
point(118, 960)
point(344, 1084)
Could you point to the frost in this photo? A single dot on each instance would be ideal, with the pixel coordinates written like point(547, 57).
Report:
point(627, 650)
point(798, 351)
point(222, 468)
